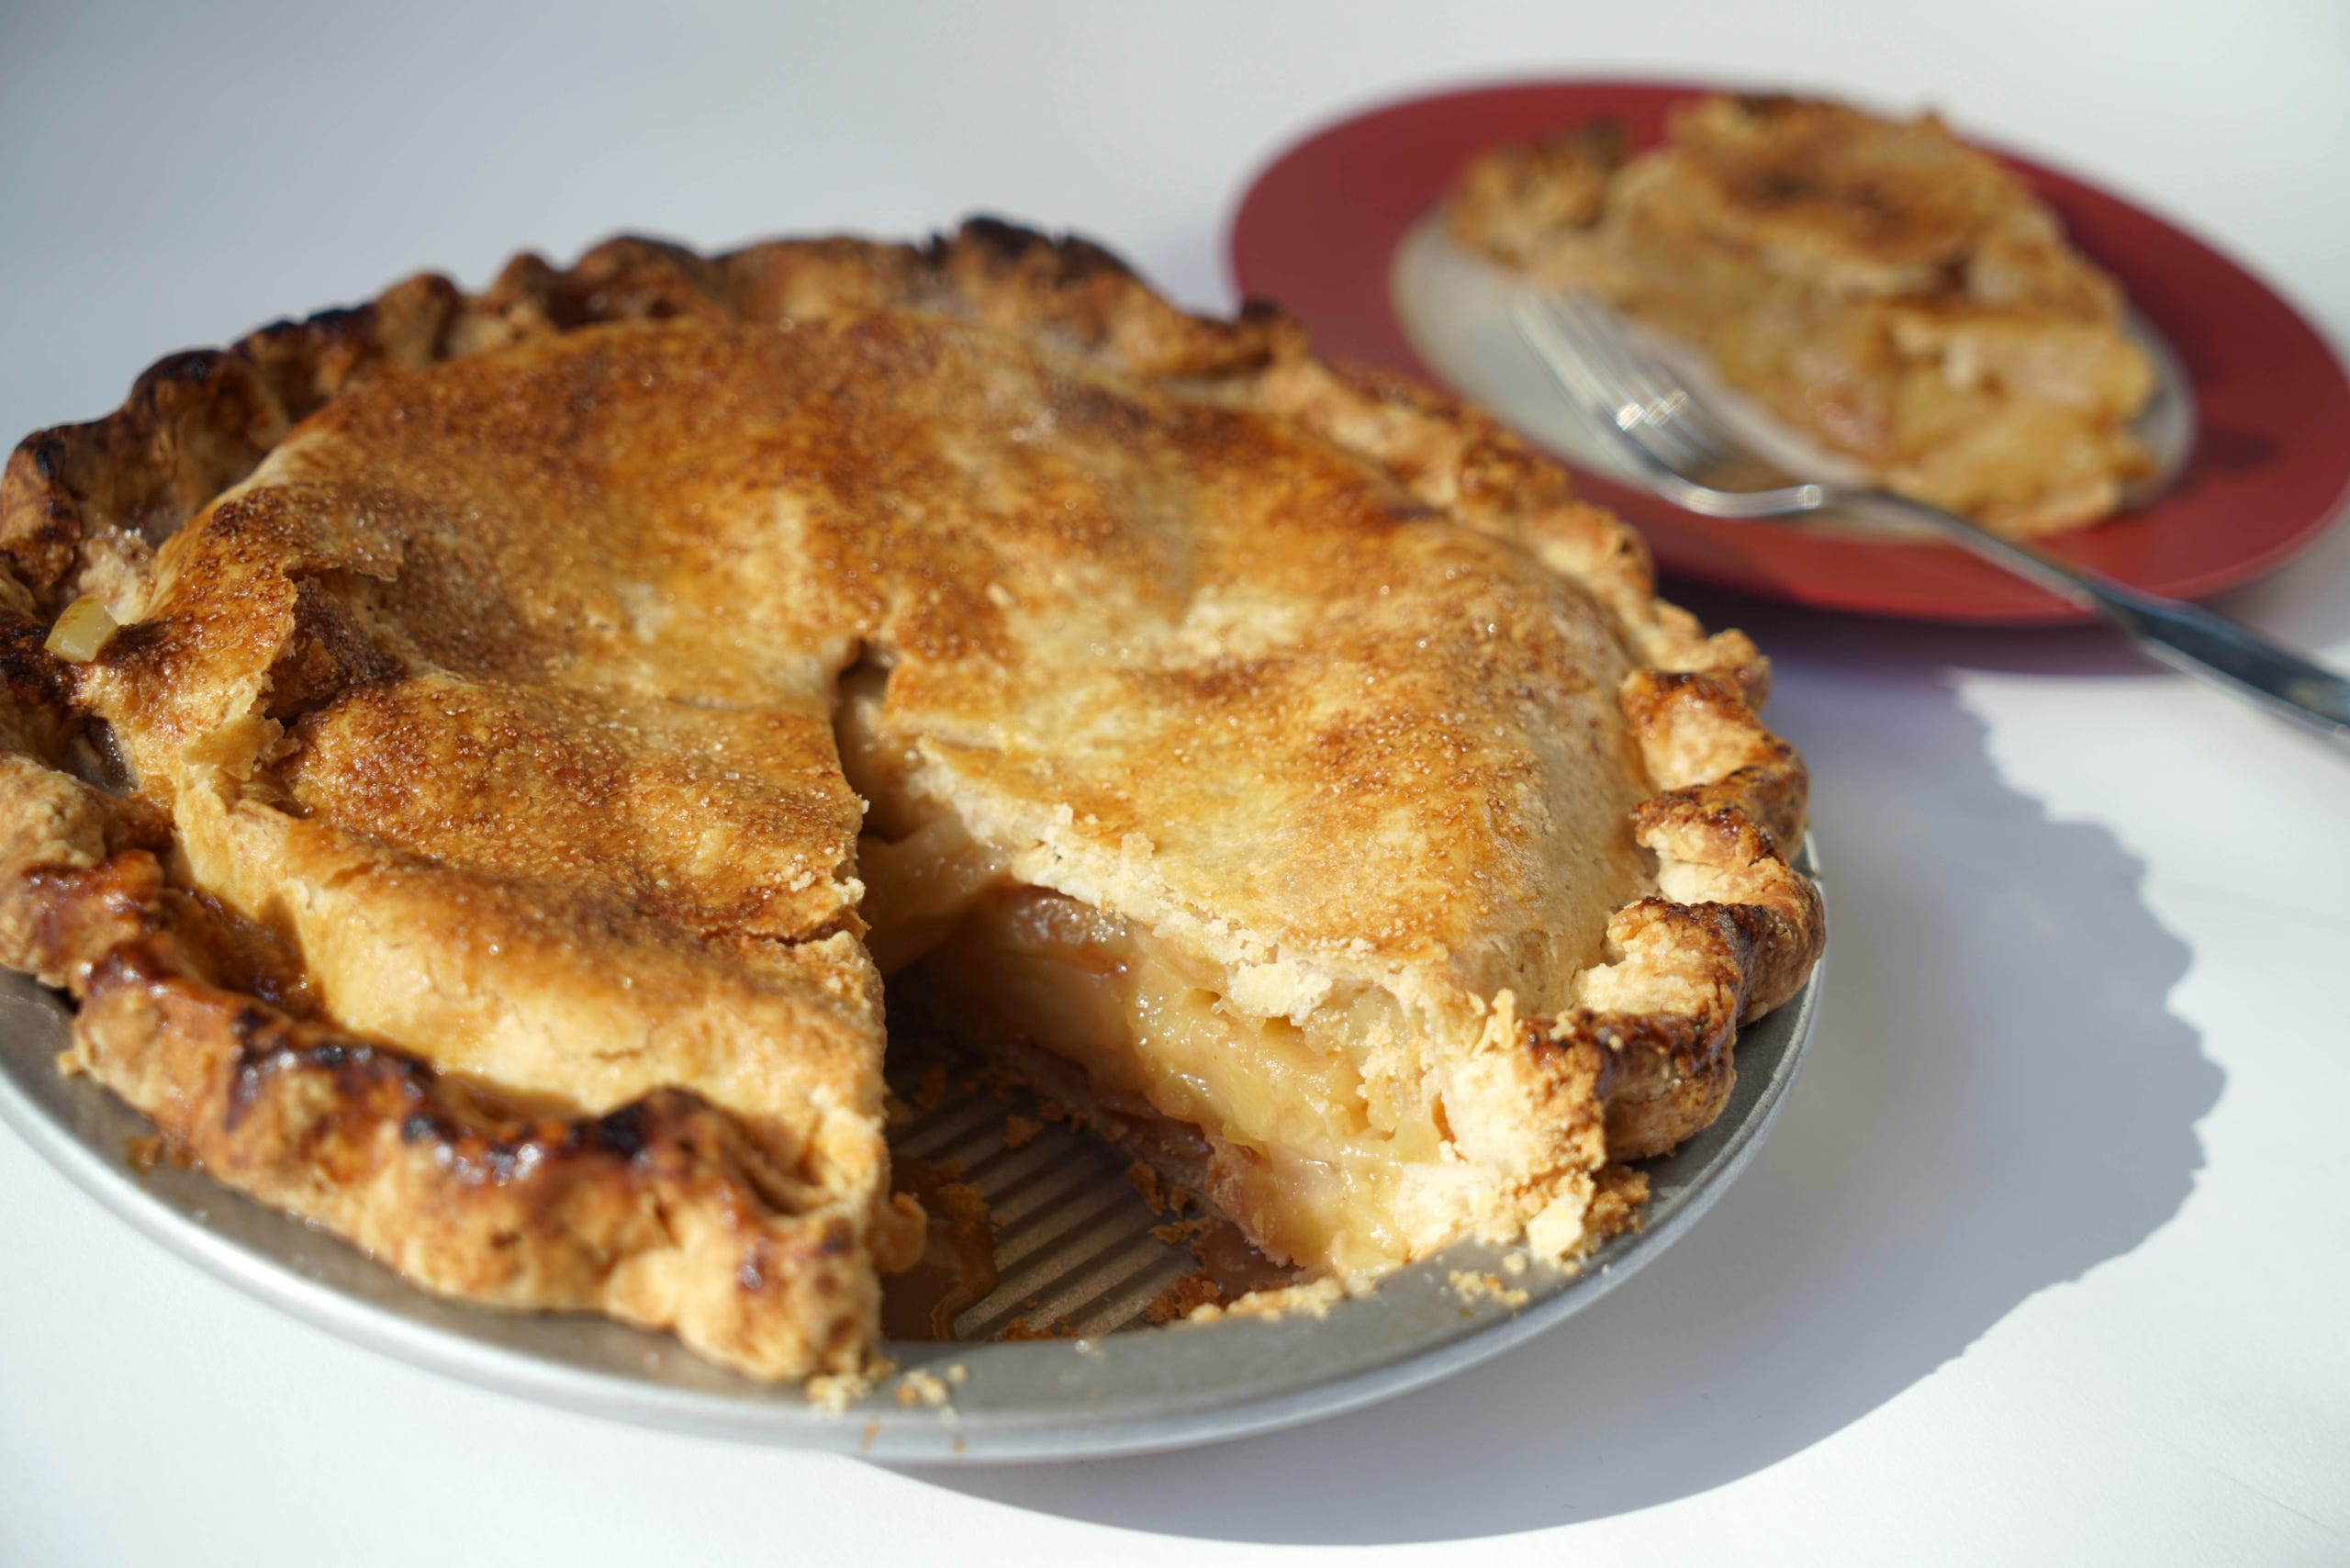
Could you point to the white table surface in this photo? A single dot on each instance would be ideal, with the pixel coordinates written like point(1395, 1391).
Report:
point(2047, 1260)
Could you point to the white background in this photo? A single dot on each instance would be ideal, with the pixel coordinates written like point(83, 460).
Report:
point(2046, 1263)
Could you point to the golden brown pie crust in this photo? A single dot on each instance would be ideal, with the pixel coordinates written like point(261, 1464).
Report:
point(392, 689)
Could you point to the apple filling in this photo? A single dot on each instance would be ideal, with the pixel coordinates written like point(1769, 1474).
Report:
point(1309, 1123)
point(1305, 1142)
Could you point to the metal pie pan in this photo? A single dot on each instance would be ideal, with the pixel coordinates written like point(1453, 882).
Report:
point(1067, 1398)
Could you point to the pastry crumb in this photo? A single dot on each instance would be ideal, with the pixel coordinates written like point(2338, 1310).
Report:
point(919, 1387)
point(1314, 1298)
point(1471, 1287)
point(1183, 1232)
point(1019, 1132)
point(1514, 1264)
point(1020, 1328)
point(1157, 1195)
point(1185, 1296)
point(1620, 1194)
point(834, 1392)
point(931, 1089)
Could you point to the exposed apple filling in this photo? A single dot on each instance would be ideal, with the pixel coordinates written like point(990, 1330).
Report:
point(1306, 1144)
point(1310, 1123)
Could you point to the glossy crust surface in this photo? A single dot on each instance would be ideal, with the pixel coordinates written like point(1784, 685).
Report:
point(452, 845)
point(1894, 293)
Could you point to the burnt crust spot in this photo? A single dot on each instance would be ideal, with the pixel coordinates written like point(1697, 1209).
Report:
point(1069, 262)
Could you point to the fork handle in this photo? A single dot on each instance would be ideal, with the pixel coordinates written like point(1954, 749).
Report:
point(2184, 637)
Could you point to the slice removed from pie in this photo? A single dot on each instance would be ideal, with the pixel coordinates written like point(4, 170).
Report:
point(532, 724)
point(1890, 292)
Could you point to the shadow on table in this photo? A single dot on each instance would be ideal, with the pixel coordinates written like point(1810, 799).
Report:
point(1997, 1101)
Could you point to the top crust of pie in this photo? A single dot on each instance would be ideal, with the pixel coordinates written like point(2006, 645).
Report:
point(452, 845)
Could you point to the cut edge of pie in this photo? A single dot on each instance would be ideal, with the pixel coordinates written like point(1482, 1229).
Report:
point(667, 1211)
point(1882, 287)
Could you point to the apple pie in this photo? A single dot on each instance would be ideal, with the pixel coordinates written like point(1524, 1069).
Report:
point(1889, 292)
point(472, 761)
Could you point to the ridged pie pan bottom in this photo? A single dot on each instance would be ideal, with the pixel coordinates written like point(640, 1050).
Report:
point(1074, 1248)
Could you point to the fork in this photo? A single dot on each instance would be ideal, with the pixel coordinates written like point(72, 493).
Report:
point(1685, 452)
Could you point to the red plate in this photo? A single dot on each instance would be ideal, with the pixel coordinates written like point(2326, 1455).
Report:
point(1317, 231)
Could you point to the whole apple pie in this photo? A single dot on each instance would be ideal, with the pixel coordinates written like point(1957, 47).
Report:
point(1888, 291)
point(472, 761)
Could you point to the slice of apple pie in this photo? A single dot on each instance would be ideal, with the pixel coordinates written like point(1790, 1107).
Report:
point(1883, 288)
point(473, 759)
